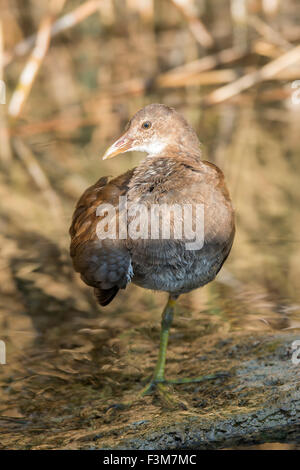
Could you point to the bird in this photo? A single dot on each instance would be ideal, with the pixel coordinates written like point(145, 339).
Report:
point(172, 176)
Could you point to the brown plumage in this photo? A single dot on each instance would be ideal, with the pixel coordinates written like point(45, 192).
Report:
point(172, 174)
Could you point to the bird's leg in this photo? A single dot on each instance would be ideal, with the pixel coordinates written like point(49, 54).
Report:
point(159, 371)
point(158, 379)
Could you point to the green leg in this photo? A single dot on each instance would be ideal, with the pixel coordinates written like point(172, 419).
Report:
point(158, 379)
point(159, 371)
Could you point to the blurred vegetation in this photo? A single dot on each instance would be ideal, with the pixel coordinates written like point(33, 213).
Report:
point(228, 66)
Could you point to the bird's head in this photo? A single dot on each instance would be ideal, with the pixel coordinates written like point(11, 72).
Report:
point(152, 130)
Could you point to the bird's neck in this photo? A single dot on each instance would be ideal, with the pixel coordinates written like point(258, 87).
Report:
point(163, 169)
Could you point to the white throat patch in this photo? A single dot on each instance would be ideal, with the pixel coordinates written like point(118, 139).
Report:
point(153, 148)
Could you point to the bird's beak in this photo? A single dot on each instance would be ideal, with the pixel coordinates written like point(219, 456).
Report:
point(123, 144)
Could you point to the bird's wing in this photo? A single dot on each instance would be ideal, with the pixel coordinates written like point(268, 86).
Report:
point(104, 264)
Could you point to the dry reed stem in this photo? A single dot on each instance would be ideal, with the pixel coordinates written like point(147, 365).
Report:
point(196, 26)
point(39, 177)
point(144, 8)
point(18, 100)
point(66, 124)
point(266, 49)
point(239, 13)
point(5, 153)
point(192, 73)
point(64, 23)
point(31, 69)
point(60, 124)
point(1, 50)
point(212, 77)
point(137, 86)
point(266, 31)
point(34, 62)
point(183, 72)
point(267, 72)
point(270, 7)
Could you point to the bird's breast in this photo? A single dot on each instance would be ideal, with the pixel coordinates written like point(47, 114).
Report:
point(182, 244)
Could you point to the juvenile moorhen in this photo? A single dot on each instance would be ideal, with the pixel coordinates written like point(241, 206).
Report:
point(172, 173)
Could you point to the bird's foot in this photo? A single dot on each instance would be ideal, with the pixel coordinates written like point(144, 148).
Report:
point(163, 391)
point(201, 378)
point(163, 387)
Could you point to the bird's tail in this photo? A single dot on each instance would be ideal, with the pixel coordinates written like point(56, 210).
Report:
point(105, 296)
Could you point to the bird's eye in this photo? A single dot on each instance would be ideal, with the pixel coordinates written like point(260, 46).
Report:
point(146, 125)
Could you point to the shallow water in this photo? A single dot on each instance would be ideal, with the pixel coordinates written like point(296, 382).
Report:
point(66, 358)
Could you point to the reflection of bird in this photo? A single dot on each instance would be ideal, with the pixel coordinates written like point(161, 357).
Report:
point(171, 174)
